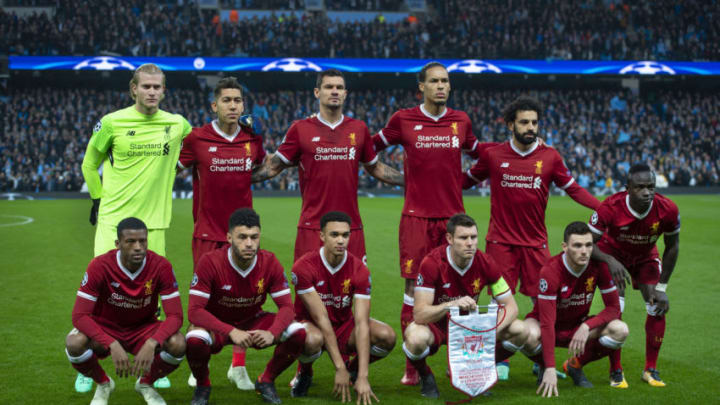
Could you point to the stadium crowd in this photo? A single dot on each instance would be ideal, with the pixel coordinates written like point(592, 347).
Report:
point(600, 133)
point(486, 29)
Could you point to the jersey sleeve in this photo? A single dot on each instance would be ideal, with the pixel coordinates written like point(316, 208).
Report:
point(186, 127)
point(601, 219)
point(102, 136)
point(493, 274)
point(201, 284)
point(168, 283)
point(481, 169)
point(671, 224)
point(301, 278)
point(391, 134)
point(92, 285)
point(548, 287)
point(278, 283)
point(427, 275)
point(289, 150)
point(610, 298)
point(187, 153)
point(561, 175)
point(470, 144)
point(369, 156)
point(261, 153)
point(362, 283)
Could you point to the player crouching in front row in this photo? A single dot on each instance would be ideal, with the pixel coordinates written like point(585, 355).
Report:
point(560, 316)
point(332, 288)
point(227, 292)
point(114, 314)
point(454, 275)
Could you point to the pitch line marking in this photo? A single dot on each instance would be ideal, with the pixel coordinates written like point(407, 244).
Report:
point(23, 220)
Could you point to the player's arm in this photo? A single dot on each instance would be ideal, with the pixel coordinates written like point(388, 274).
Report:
point(173, 321)
point(271, 167)
point(283, 318)
point(361, 312)
point(311, 300)
point(479, 171)
point(201, 317)
point(547, 307)
point(669, 259)
point(508, 311)
point(598, 226)
point(424, 312)
point(90, 164)
point(386, 174)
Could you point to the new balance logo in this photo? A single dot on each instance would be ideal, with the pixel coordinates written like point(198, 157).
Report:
point(505, 164)
point(624, 228)
point(227, 287)
point(115, 284)
point(316, 139)
point(130, 133)
point(320, 283)
point(212, 149)
point(564, 289)
point(417, 127)
point(447, 285)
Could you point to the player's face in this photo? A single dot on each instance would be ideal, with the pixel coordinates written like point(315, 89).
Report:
point(229, 105)
point(641, 189)
point(578, 249)
point(436, 87)
point(332, 92)
point(525, 127)
point(149, 90)
point(244, 241)
point(335, 237)
point(133, 246)
point(463, 242)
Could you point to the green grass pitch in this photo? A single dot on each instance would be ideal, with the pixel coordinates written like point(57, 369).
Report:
point(42, 262)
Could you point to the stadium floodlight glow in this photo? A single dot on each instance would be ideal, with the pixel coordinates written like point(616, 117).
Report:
point(359, 65)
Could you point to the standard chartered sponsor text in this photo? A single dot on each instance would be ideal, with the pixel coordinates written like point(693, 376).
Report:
point(145, 149)
point(516, 181)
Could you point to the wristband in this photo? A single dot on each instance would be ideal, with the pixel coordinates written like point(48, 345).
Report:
point(661, 287)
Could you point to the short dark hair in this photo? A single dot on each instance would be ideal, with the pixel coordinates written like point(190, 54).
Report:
point(244, 217)
point(229, 82)
point(130, 223)
point(639, 168)
point(523, 103)
point(335, 216)
point(576, 228)
point(328, 73)
point(459, 220)
point(422, 74)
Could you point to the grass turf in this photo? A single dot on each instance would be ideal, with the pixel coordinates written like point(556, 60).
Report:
point(42, 263)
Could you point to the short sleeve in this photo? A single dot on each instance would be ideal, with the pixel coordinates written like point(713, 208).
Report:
point(201, 283)
point(470, 144)
point(187, 153)
point(391, 134)
point(600, 220)
point(102, 136)
point(605, 280)
point(362, 283)
point(548, 284)
point(493, 276)
point(92, 282)
point(186, 127)
point(561, 175)
point(481, 169)
point(260, 155)
point(301, 278)
point(168, 283)
point(278, 283)
point(427, 275)
point(289, 150)
point(369, 156)
point(671, 223)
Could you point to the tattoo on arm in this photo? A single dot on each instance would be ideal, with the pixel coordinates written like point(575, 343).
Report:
point(387, 174)
point(271, 167)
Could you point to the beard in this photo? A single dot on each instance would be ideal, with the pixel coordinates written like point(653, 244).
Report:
point(523, 139)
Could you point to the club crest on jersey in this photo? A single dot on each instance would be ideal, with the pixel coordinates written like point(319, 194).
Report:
point(293, 278)
point(590, 284)
point(476, 286)
point(538, 167)
point(84, 280)
point(594, 218)
point(194, 281)
point(346, 286)
point(167, 132)
point(98, 127)
point(352, 138)
point(261, 286)
point(408, 266)
point(148, 287)
point(248, 149)
point(419, 280)
point(454, 127)
point(654, 227)
point(543, 285)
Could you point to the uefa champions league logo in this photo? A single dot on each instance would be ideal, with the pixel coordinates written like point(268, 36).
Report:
point(291, 65)
point(647, 67)
point(104, 63)
point(473, 66)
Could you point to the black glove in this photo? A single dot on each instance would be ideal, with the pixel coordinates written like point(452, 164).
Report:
point(251, 124)
point(94, 211)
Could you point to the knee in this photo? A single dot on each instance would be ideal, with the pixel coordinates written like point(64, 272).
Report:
point(518, 332)
point(416, 338)
point(175, 345)
point(76, 343)
point(618, 330)
point(385, 337)
point(313, 341)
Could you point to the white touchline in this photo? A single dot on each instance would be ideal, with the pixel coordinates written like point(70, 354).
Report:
point(23, 220)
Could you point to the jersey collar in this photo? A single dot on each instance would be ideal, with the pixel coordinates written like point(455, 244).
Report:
point(568, 268)
point(327, 265)
point(521, 153)
point(332, 126)
point(454, 266)
point(127, 272)
point(635, 213)
point(435, 118)
point(243, 273)
point(220, 132)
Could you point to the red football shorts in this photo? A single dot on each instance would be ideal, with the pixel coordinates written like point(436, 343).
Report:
point(418, 236)
point(202, 246)
point(643, 271)
point(519, 262)
point(308, 240)
point(343, 332)
point(439, 335)
point(262, 321)
point(562, 336)
point(132, 340)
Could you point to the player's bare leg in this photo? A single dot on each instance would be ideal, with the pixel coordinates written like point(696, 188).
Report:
point(411, 376)
point(382, 342)
point(165, 362)
point(417, 346)
point(654, 334)
point(81, 352)
point(312, 351)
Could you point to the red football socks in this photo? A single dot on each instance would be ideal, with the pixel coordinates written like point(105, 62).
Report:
point(91, 368)
point(284, 355)
point(654, 334)
point(198, 356)
point(238, 357)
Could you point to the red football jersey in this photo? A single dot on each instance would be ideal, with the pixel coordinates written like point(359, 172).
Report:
point(439, 275)
point(222, 166)
point(125, 300)
point(519, 189)
point(433, 158)
point(328, 156)
point(630, 235)
point(234, 295)
point(336, 286)
point(565, 298)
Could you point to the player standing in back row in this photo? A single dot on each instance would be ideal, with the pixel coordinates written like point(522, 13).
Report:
point(433, 137)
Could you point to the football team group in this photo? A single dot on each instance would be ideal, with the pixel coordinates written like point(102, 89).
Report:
point(117, 312)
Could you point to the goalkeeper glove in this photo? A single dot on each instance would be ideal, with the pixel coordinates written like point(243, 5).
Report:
point(252, 124)
point(94, 211)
